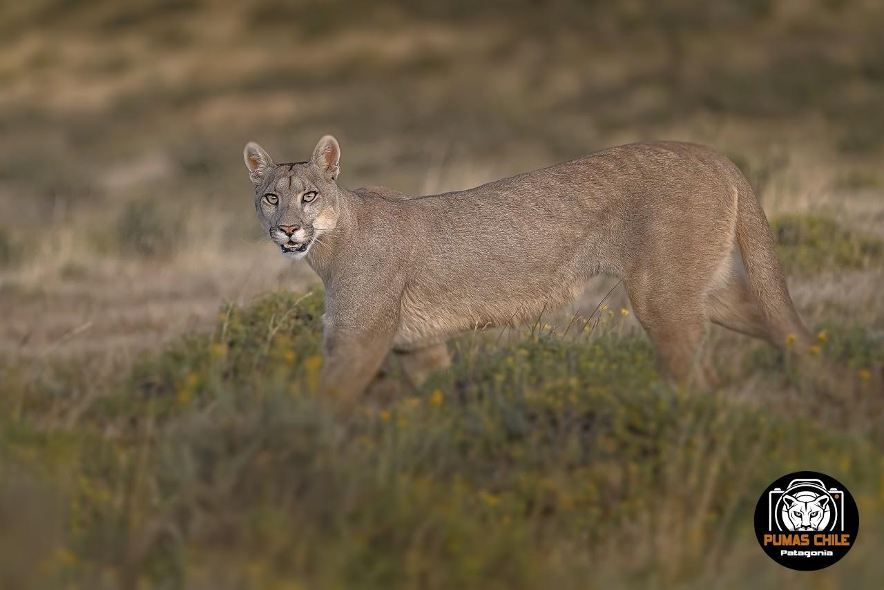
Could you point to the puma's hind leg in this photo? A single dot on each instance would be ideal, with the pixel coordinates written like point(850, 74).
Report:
point(732, 305)
point(676, 325)
point(419, 363)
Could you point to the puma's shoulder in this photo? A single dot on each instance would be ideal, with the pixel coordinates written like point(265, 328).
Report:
point(381, 192)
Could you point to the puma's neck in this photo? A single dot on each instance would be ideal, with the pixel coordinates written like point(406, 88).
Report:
point(324, 254)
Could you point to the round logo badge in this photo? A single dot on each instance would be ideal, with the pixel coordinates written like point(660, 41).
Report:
point(806, 521)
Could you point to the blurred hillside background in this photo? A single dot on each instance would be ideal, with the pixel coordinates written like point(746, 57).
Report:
point(127, 223)
point(123, 201)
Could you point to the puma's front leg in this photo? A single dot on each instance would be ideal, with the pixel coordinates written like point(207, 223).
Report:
point(354, 353)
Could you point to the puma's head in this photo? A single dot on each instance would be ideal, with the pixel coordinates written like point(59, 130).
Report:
point(806, 513)
point(296, 202)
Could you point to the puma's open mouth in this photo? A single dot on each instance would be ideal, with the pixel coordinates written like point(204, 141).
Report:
point(291, 247)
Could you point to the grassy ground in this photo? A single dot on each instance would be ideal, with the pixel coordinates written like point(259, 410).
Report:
point(541, 458)
point(158, 426)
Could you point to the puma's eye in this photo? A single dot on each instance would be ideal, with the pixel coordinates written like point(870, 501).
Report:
point(796, 513)
point(814, 513)
point(271, 199)
point(309, 196)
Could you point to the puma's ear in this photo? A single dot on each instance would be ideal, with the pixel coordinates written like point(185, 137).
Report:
point(789, 501)
point(326, 156)
point(257, 161)
point(823, 501)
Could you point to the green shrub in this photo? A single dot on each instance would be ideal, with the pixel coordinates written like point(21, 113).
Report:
point(269, 340)
point(854, 347)
point(810, 243)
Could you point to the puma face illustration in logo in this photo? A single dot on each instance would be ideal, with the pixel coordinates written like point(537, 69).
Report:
point(805, 511)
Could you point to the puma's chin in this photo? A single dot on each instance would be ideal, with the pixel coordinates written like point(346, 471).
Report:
point(295, 250)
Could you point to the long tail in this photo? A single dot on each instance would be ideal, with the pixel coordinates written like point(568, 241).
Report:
point(763, 270)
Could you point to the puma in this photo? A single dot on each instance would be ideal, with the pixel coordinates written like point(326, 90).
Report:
point(678, 222)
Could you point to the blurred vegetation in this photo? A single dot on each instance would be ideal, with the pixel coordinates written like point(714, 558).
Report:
point(143, 228)
point(152, 101)
point(9, 249)
point(812, 243)
point(858, 180)
point(409, 84)
point(148, 229)
point(546, 460)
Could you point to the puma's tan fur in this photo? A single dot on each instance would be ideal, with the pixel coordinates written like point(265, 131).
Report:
point(677, 221)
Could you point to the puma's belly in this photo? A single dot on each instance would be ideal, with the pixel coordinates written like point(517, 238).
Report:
point(430, 315)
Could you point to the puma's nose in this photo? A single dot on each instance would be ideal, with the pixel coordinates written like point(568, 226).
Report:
point(289, 229)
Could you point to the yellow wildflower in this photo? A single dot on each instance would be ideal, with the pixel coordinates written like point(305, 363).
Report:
point(313, 363)
point(489, 498)
point(814, 350)
point(790, 339)
point(192, 379)
point(865, 374)
point(218, 350)
point(436, 398)
point(64, 556)
point(185, 395)
point(624, 312)
point(822, 337)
